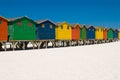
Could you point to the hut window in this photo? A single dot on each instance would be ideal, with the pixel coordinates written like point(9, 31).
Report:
point(19, 23)
point(43, 25)
point(76, 28)
point(61, 27)
point(30, 24)
point(0, 21)
point(67, 27)
point(51, 26)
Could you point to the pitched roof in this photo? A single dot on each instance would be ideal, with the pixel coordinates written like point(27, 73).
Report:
point(18, 18)
point(90, 27)
point(4, 18)
point(61, 23)
point(75, 25)
point(110, 29)
point(41, 21)
point(83, 26)
point(118, 29)
point(115, 30)
point(99, 27)
point(105, 28)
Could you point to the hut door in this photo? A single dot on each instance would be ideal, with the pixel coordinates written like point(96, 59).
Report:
point(11, 30)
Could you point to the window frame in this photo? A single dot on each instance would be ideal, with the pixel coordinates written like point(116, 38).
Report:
point(51, 26)
point(68, 27)
point(19, 23)
point(61, 26)
point(43, 25)
point(30, 24)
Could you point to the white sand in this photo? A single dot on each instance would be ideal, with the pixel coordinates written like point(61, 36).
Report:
point(94, 62)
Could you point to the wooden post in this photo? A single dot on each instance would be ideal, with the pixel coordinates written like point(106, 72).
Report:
point(64, 43)
point(53, 44)
point(46, 44)
point(74, 42)
point(23, 46)
point(32, 42)
point(0, 46)
point(13, 43)
point(4, 46)
point(58, 43)
point(38, 44)
point(77, 42)
point(70, 42)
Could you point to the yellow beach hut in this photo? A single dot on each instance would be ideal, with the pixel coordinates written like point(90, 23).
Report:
point(63, 31)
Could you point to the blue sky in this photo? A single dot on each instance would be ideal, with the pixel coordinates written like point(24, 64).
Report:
point(104, 13)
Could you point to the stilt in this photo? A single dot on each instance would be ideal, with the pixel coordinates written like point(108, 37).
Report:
point(26, 43)
point(69, 43)
point(46, 44)
point(10, 46)
point(77, 42)
point(13, 43)
point(23, 46)
point(33, 44)
point(74, 43)
point(0, 46)
point(4, 44)
point(64, 43)
point(53, 44)
point(58, 42)
point(39, 43)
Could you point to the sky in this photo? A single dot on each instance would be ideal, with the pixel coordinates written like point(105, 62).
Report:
point(104, 13)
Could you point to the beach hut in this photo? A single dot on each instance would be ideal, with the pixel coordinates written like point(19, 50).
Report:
point(83, 33)
point(99, 33)
point(105, 30)
point(115, 34)
point(91, 33)
point(63, 31)
point(119, 34)
point(3, 29)
point(76, 32)
point(21, 28)
point(45, 30)
point(110, 34)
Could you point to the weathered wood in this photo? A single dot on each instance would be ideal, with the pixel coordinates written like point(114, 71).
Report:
point(5, 46)
point(33, 43)
point(0, 46)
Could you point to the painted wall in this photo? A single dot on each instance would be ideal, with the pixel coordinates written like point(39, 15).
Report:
point(45, 31)
point(119, 34)
point(63, 31)
point(105, 37)
point(110, 34)
point(76, 32)
point(22, 29)
point(3, 29)
point(99, 33)
point(91, 33)
point(116, 34)
point(83, 33)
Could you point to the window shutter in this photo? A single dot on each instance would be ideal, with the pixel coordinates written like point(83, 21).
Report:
point(19, 23)
point(43, 25)
point(30, 24)
point(51, 26)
